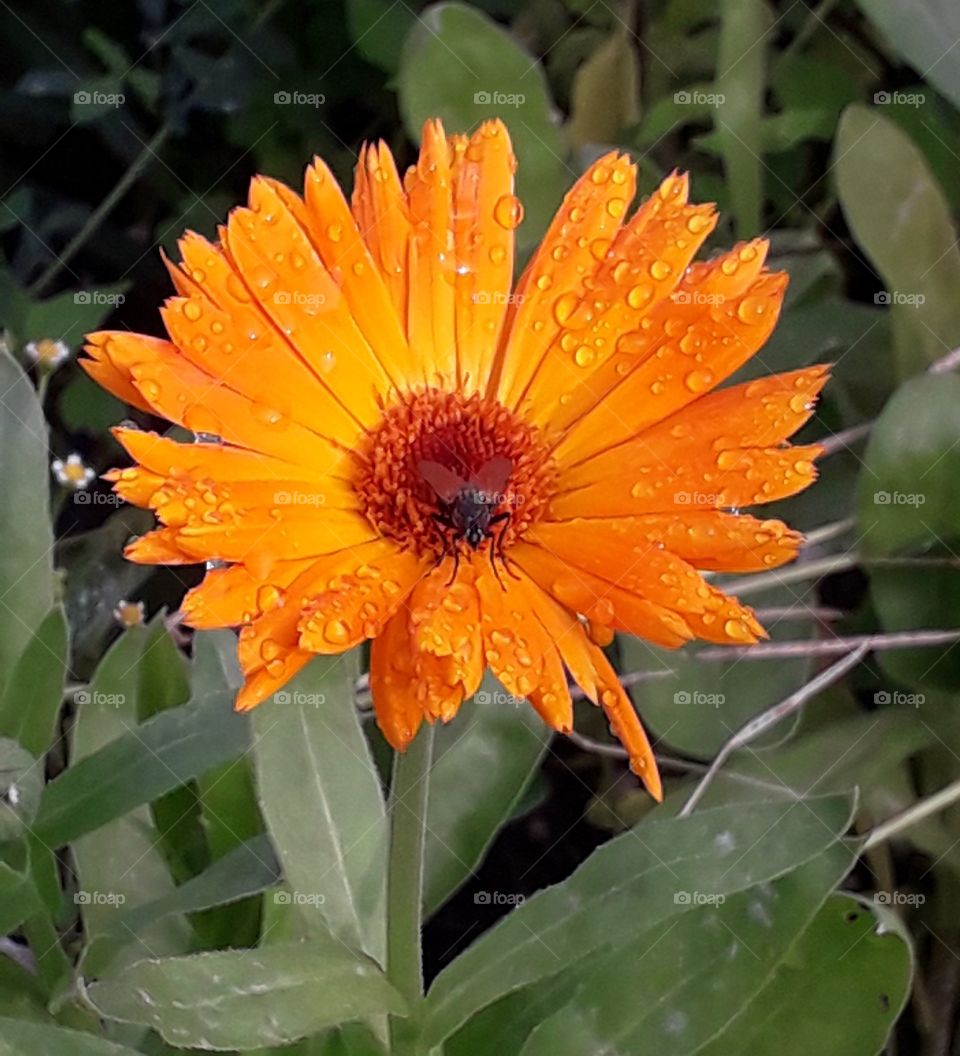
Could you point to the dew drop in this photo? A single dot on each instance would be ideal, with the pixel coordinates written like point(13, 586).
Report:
point(698, 380)
point(508, 211)
point(193, 310)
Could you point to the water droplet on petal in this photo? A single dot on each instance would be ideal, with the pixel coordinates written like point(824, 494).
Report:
point(508, 211)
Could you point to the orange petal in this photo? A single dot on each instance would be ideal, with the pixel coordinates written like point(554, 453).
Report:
point(160, 547)
point(259, 539)
point(520, 652)
point(395, 702)
point(444, 623)
point(670, 372)
point(228, 597)
point(641, 270)
point(380, 208)
point(272, 639)
point(168, 458)
point(299, 297)
point(607, 604)
point(181, 392)
point(609, 550)
point(431, 263)
point(485, 213)
point(623, 720)
point(715, 541)
point(356, 601)
point(554, 285)
point(652, 475)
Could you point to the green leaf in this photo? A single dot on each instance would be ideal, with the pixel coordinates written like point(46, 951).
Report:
point(26, 557)
point(741, 64)
point(68, 316)
point(720, 955)
point(376, 26)
point(20, 1038)
point(241, 999)
point(851, 969)
point(246, 870)
point(120, 864)
point(481, 770)
point(459, 65)
point(627, 888)
point(905, 228)
point(908, 503)
point(923, 32)
point(606, 91)
point(18, 898)
point(140, 765)
point(320, 796)
point(21, 783)
point(30, 701)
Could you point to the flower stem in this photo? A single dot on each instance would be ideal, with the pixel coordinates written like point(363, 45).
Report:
point(409, 792)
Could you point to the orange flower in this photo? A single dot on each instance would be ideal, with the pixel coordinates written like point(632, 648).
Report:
point(395, 443)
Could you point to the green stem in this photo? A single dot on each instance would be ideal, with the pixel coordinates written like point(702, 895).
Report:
point(409, 792)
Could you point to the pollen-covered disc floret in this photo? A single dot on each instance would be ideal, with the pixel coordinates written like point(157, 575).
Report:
point(461, 433)
point(354, 365)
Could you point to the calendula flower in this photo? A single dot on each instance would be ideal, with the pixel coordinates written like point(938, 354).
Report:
point(402, 446)
point(72, 472)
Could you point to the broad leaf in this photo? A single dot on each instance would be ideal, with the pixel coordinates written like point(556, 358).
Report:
point(905, 228)
point(26, 557)
point(30, 702)
point(241, 999)
point(20, 1038)
point(321, 799)
point(630, 885)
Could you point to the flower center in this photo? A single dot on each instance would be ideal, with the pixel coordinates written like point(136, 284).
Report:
point(444, 471)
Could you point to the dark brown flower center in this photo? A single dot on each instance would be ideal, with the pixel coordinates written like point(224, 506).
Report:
point(469, 437)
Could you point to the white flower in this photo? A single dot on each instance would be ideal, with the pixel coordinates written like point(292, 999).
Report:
point(129, 613)
point(73, 473)
point(47, 353)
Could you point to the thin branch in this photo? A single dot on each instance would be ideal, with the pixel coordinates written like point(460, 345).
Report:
point(763, 722)
point(918, 812)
